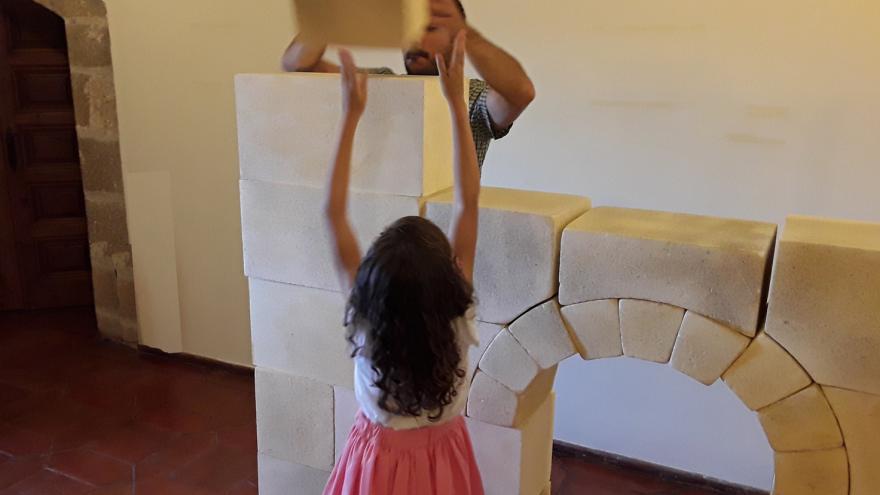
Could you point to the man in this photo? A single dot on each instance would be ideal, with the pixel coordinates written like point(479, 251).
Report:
point(495, 102)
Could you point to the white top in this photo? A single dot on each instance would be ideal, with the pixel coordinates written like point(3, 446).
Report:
point(368, 394)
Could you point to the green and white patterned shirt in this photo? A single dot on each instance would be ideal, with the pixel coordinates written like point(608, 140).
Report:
point(481, 123)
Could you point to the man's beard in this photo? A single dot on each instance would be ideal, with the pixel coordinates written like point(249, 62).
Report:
point(420, 63)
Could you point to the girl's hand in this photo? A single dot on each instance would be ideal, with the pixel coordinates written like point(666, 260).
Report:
point(354, 86)
point(452, 75)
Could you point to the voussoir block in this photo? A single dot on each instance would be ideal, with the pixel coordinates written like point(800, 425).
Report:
point(515, 461)
point(283, 339)
point(376, 23)
point(509, 363)
point(765, 373)
point(818, 472)
point(712, 266)
point(518, 250)
point(276, 477)
point(705, 348)
point(286, 238)
point(486, 332)
point(824, 305)
point(287, 128)
point(596, 328)
point(544, 335)
point(859, 417)
point(294, 419)
point(801, 422)
point(491, 402)
point(648, 329)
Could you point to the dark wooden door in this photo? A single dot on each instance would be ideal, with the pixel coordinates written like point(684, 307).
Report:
point(44, 244)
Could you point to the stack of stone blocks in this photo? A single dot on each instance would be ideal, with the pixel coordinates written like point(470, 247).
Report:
point(554, 278)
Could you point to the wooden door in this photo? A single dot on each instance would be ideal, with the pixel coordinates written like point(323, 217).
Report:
point(44, 244)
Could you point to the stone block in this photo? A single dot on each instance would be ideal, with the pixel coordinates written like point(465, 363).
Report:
point(491, 402)
point(345, 410)
point(859, 418)
point(705, 348)
point(107, 220)
point(299, 331)
point(375, 23)
point(279, 477)
point(544, 335)
point(285, 234)
point(713, 266)
point(515, 461)
point(76, 8)
point(765, 373)
point(287, 132)
point(294, 419)
point(486, 332)
point(88, 43)
point(101, 165)
point(819, 472)
point(506, 361)
point(801, 422)
point(517, 262)
point(648, 329)
point(596, 328)
point(824, 305)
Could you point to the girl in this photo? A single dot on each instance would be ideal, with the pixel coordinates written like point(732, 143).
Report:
point(409, 320)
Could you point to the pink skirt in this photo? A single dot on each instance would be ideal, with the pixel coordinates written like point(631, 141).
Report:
point(436, 460)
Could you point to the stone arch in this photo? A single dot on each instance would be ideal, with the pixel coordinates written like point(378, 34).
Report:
point(94, 97)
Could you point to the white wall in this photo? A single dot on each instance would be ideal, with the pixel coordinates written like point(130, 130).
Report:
point(747, 108)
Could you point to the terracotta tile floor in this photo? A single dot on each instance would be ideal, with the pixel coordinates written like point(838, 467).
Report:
point(80, 416)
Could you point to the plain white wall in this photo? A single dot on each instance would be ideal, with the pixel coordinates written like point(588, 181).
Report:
point(747, 108)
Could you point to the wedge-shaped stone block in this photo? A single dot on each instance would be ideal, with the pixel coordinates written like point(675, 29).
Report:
point(515, 461)
point(596, 328)
point(859, 417)
point(819, 472)
point(287, 127)
point(299, 331)
point(705, 348)
point(491, 402)
point(544, 335)
point(486, 332)
point(345, 410)
point(765, 373)
point(285, 236)
point(825, 300)
point(713, 266)
point(518, 250)
point(648, 329)
point(801, 422)
point(278, 477)
point(377, 23)
point(294, 419)
point(508, 362)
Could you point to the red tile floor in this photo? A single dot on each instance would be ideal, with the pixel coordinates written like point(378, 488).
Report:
point(82, 416)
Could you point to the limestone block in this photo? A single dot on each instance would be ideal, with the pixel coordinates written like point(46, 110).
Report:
point(285, 236)
point(596, 328)
point(345, 410)
point(819, 472)
point(486, 332)
point(705, 349)
point(299, 331)
point(491, 402)
point(294, 419)
point(801, 422)
point(859, 417)
point(376, 23)
point(506, 361)
point(648, 329)
point(765, 373)
point(515, 461)
point(825, 300)
point(712, 266)
point(278, 477)
point(287, 128)
point(544, 335)
point(518, 250)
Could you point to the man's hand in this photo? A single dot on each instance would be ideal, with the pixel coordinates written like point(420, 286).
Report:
point(354, 86)
point(445, 15)
point(452, 74)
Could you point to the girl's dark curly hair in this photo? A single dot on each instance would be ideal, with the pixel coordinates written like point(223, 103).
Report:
point(407, 293)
